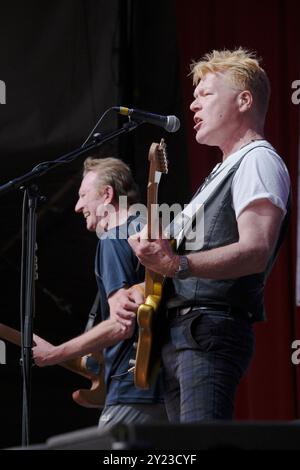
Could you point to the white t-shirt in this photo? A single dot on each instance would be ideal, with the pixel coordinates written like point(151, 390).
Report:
point(261, 175)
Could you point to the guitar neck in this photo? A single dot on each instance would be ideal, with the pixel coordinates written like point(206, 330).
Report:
point(74, 365)
point(158, 165)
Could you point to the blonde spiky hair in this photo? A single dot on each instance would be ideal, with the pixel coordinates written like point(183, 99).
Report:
point(243, 69)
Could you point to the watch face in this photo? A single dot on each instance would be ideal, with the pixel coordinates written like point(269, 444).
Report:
point(183, 269)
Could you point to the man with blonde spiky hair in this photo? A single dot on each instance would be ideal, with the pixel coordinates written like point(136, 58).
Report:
point(218, 288)
point(242, 70)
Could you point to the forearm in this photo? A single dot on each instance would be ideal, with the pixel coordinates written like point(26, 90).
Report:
point(102, 335)
point(231, 261)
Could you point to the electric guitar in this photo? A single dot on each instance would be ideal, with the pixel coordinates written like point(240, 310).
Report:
point(146, 362)
point(92, 398)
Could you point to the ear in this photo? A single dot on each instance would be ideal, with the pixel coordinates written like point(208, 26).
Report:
point(245, 101)
point(108, 193)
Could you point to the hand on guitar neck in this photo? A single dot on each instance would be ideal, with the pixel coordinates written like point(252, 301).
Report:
point(93, 398)
point(44, 353)
point(157, 255)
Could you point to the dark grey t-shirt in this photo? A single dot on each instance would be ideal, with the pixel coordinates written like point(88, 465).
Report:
point(116, 266)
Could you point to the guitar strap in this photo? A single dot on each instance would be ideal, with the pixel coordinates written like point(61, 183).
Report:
point(183, 222)
point(93, 319)
point(93, 365)
point(94, 313)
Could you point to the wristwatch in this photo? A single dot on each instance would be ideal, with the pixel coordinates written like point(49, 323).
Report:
point(183, 270)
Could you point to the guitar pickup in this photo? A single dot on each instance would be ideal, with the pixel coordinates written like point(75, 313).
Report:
point(132, 364)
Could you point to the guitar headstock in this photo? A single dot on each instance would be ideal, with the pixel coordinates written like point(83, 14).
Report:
point(158, 158)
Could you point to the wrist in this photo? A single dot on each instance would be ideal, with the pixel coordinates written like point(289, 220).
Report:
point(174, 265)
point(58, 353)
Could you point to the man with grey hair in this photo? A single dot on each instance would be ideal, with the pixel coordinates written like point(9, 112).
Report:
point(117, 269)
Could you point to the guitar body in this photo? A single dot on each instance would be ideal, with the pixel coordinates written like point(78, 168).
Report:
point(146, 366)
point(95, 396)
point(91, 398)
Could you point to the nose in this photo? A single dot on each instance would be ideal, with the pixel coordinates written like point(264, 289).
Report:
point(79, 206)
point(195, 105)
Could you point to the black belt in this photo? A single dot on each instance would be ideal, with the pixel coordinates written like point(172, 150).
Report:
point(234, 311)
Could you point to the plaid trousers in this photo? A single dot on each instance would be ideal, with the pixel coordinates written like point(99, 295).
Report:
point(204, 358)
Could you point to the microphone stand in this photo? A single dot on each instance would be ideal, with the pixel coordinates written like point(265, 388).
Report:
point(31, 199)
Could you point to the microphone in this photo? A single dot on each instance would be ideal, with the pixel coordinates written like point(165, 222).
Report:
point(169, 123)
